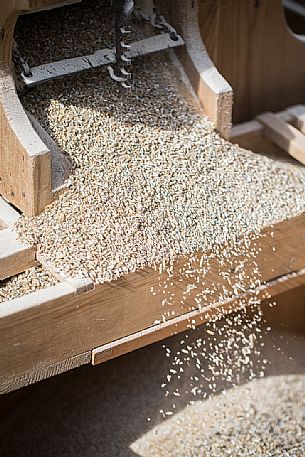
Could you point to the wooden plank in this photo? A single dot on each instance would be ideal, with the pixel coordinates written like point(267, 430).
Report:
point(252, 47)
point(284, 135)
point(55, 4)
point(62, 291)
point(60, 164)
point(212, 90)
point(289, 311)
point(25, 162)
point(15, 257)
point(195, 318)
point(250, 135)
point(8, 215)
point(294, 115)
point(42, 334)
point(24, 6)
point(298, 113)
point(255, 127)
point(44, 372)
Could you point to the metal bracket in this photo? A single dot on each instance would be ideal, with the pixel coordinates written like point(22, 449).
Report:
point(20, 62)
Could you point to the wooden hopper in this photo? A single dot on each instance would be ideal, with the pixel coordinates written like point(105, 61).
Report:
point(28, 165)
point(230, 47)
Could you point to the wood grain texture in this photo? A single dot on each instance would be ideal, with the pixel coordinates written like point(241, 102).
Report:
point(44, 372)
point(41, 333)
point(279, 287)
point(252, 47)
point(284, 135)
point(15, 257)
point(212, 90)
point(254, 127)
point(251, 135)
point(25, 163)
point(288, 315)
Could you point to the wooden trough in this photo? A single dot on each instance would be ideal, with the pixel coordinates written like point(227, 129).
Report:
point(75, 322)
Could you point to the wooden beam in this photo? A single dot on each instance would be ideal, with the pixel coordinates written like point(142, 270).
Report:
point(15, 257)
point(25, 162)
point(284, 135)
point(195, 318)
point(49, 5)
point(289, 311)
point(47, 330)
point(250, 135)
point(294, 115)
point(254, 127)
point(213, 91)
point(44, 372)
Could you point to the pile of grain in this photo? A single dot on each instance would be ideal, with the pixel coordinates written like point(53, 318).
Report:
point(262, 418)
point(152, 179)
point(102, 411)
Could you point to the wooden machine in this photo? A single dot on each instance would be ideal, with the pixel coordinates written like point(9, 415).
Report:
point(231, 50)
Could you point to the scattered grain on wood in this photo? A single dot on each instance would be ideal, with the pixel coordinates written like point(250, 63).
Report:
point(152, 180)
point(25, 283)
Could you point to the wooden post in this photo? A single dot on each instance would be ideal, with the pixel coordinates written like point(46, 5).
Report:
point(25, 162)
point(212, 90)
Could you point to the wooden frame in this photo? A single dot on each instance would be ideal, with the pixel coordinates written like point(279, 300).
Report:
point(271, 290)
point(212, 90)
point(15, 256)
point(217, 56)
point(252, 47)
point(64, 326)
point(25, 160)
point(269, 132)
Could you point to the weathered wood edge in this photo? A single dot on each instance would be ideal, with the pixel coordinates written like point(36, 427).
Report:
point(25, 161)
point(295, 115)
point(155, 333)
point(244, 48)
point(15, 256)
point(195, 318)
point(64, 290)
point(39, 335)
point(45, 372)
point(212, 90)
point(284, 135)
